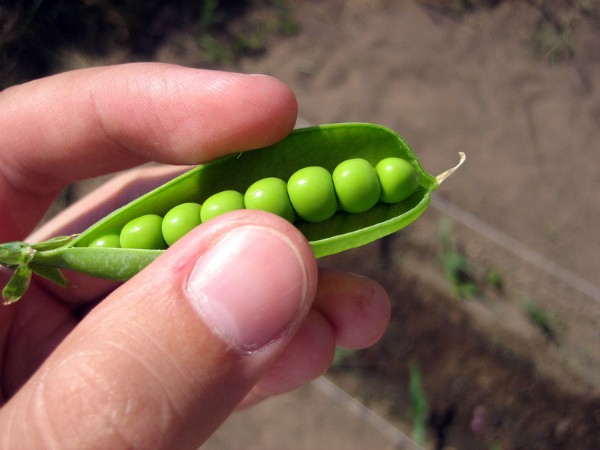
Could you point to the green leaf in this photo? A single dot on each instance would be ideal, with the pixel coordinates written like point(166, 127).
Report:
point(53, 243)
point(17, 285)
point(50, 273)
point(419, 404)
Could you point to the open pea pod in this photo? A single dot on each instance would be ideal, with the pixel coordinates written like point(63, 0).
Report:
point(325, 146)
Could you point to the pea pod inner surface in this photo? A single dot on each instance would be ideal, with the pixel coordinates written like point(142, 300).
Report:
point(324, 146)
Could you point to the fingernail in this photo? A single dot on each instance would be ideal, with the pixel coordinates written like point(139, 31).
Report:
point(249, 287)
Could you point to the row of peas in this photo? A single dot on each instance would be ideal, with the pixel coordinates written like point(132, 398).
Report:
point(311, 193)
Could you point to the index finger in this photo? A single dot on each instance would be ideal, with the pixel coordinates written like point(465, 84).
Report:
point(91, 122)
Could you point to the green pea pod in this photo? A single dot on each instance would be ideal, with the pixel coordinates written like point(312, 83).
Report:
point(325, 146)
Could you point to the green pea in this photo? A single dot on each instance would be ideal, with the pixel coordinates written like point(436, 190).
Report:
point(220, 203)
point(108, 240)
point(312, 194)
point(356, 185)
point(398, 179)
point(180, 220)
point(144, 232)
point(270, 194)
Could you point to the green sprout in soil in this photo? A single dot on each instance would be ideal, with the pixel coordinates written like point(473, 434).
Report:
point(553, 33)
point(456, 265)
point(541, 319)
point(495, 280)
point(224, 36)
point(419, 405)
point(556, 45)
point(340, 356)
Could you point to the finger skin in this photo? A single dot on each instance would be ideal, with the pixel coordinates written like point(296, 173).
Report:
point(144, 369)
point(349, 311)
point(358, 308)
point(95, 121)
point(306, 357)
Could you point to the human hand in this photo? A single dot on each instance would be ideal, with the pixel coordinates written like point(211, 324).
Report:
point(234, 312)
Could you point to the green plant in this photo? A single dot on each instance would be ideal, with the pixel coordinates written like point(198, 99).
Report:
point(419, 405)
point(495, 280)
point(553, 32)
point(210, 16)
point(541, 319)
point(227, 30)
point(456, 265)
point(286, 23)
point(555, 43)
point(552, 233)
point(216, 51)
point(340, 356)
point(323, 146)
point(35, 35)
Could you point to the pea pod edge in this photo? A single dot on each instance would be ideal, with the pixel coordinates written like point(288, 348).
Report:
point(323, 145)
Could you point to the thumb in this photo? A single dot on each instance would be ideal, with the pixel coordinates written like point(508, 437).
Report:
point(165, 358)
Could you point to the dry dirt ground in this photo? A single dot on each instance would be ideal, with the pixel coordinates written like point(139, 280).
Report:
point(516, 87)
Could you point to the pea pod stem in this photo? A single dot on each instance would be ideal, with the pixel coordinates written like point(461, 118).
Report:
point(117, 264)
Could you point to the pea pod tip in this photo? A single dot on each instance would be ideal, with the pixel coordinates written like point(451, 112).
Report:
point(442, 176)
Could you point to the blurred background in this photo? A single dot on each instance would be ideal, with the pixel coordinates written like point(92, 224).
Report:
point(495, 334)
